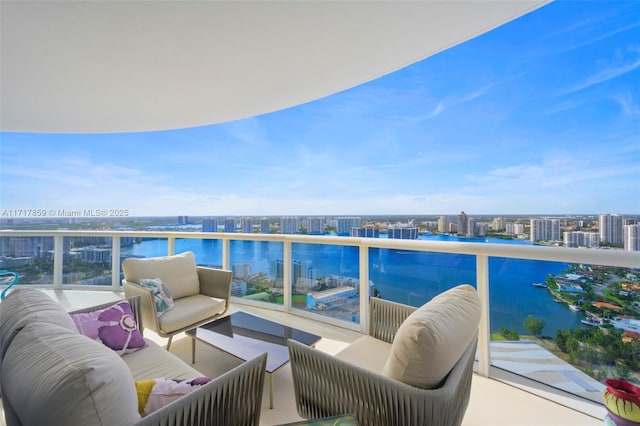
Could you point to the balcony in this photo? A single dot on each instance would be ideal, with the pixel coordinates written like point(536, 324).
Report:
point(512, 378)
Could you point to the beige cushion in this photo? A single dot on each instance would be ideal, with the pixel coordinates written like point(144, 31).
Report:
point(432, 339)
point(154, 362)
point(23, 306)
point(190, 310)
point(377, 353)
point(178, 272)
point(57, 377)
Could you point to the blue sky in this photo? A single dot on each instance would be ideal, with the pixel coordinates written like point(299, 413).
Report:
point(539, 116)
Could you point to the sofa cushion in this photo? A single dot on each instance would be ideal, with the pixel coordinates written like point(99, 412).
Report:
point(59, 377)
point(23, 306)
point(155, 361)
point(178, 272)
point(432, 339)
point(115, 327)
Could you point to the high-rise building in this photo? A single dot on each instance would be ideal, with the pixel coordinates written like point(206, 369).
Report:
point(581, 239)
point(366, 231)
point(471, 227)
point(246, 225)
point(265, 227)
point(402, 232)
point(183, 220)
point(315, 225)
point(462, 223)
point(631, 237)
point(611, 228)
point(545, 230)
point(210, 225)
point(241, 271)
point(289, 225)
point(443, 224)
point(230, 224)
point(498, 224)
point(346, 223)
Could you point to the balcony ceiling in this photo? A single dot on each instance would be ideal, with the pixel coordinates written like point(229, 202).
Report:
point(126, 66)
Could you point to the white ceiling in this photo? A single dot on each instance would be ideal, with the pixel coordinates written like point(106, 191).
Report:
point(121, 66)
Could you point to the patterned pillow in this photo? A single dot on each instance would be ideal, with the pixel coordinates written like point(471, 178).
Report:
point(114, 327)
point(156, 393)
point(161, 294)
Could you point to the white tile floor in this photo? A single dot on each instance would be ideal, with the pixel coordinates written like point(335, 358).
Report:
point(492, 402)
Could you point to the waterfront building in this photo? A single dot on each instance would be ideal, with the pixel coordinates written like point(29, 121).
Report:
point(290, 225)
point(210, 225)
point(498, 224)
point(246, 225)
point(241, 270)
point(471, 227)
point(346, 223)
point(402, 232)
point(366, 231)
point(183, 220)
point(230, 224)
point(581, 239)
point(545, 230)
point(631, 237)
point(481, 229)
point(265, 227)
point(462, 224)
point(443, 224)
point(315, 225)
point(610, 226)
point(95, 255)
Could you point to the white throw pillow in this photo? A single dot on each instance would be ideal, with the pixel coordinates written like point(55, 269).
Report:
point(434, 337)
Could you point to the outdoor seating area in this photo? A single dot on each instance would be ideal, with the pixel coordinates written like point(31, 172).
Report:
point(490, 402)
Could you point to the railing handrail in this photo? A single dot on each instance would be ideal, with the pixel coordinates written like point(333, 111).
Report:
point(594, 256)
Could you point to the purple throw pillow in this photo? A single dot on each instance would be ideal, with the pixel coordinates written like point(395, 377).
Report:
point(114, 327)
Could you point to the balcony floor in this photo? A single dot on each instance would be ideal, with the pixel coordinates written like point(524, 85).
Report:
point(493, 402)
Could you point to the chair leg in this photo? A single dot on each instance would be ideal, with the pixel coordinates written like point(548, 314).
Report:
point(169, 342)
point(193, 351)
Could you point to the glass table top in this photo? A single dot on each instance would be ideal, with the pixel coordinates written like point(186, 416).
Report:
point(246, 336)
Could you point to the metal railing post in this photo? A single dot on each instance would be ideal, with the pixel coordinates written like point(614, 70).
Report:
point(58, 258)
point(115, 263)
point(484, 331)
point(364, 288)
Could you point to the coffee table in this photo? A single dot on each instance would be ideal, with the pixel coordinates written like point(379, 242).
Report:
point(246, 336)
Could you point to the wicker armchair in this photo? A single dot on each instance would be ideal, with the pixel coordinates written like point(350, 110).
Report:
point(200, 294)
point(325, 385)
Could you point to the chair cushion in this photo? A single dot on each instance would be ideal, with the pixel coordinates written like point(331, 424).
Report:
point(377, 353)
point(59, 377)
point(26, 305)
point(155, 361)
point(189, 311)
point(178, 272)
point(433, 338)
point(115, 327)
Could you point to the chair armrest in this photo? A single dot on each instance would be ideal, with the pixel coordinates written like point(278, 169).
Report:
point(326, 386)
point(134, 301)
point(215, 282)
point(385, 317)
point(233, 398)
point(147, 307)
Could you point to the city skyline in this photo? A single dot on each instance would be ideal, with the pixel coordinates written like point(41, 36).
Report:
point(540, 116)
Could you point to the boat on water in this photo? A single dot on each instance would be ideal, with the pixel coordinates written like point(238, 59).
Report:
point(540, 285)
point(575, 308)
point(593, 322)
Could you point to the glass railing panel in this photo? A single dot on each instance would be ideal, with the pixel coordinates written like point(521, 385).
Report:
point(257, 270)
point(87, 261)
point(144, 247)
point(30, 257)
point(415, 277)
point(208, 252)
point(326, 280)
point(565, 325)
